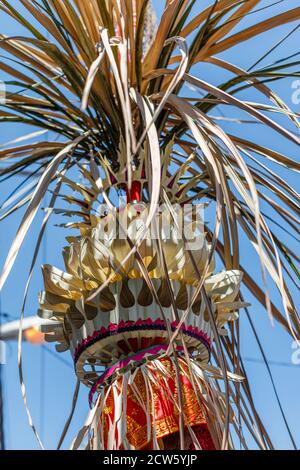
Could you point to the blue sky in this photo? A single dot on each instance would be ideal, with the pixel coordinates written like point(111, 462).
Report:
point(50, 382)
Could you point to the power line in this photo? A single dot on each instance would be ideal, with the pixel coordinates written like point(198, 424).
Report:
point(271, 363)
point(58, 357)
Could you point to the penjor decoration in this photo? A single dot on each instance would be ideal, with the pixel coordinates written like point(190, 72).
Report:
point(142, 142)
point(144, 384)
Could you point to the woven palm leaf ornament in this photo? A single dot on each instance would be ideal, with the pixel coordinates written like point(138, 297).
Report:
point(120, 339)
point(149, 298)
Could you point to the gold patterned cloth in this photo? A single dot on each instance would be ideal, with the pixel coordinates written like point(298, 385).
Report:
point(160, 401)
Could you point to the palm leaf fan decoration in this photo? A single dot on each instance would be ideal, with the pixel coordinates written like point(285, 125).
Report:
point(121, 110)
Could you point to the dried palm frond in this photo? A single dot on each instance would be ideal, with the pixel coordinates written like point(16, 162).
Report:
point(110, 91)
